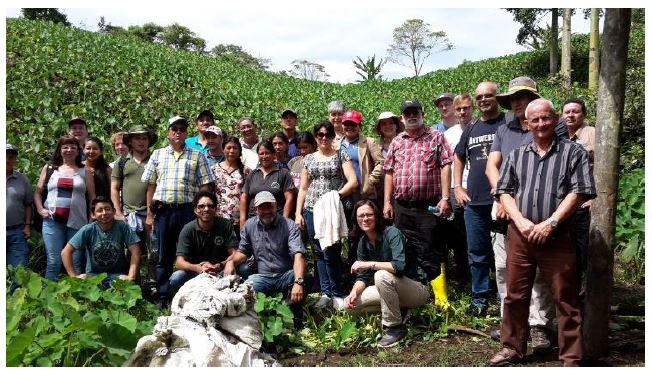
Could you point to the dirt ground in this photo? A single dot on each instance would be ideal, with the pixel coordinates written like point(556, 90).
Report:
point(626, 345)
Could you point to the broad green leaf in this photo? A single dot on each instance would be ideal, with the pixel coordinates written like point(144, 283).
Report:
point(17, 346)
point(34, 286)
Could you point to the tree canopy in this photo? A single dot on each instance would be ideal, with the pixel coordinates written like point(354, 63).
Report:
point(415, 41)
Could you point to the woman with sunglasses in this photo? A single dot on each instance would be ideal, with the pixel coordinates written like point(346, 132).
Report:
point(323, 173)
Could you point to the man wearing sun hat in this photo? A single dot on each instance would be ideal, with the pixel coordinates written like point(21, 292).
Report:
point(174, 175)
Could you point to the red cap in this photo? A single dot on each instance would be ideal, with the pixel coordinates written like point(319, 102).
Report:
point(352, 116)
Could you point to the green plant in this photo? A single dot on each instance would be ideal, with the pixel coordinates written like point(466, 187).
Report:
point(276, 321)
point(74, 322)
point(630, 224)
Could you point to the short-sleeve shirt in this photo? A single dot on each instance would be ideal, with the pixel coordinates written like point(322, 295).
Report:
point(273, 247)
point(474, 147)
point(296, 166)
point(585, 136)
point(416, 164)
point(228, 188)
point(106, 251)
point(512, 135)
point(19, 196)
point(352, 149)
point(452, 136)
point(177, 178)
point(324, 175)
point(278, 182)
point(194, 143)
point(197, 245)
point(134, 190)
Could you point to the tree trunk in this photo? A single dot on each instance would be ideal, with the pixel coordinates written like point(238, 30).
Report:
point(594, 43)
point(611, 92)
point(566, 48)
point(554, 41)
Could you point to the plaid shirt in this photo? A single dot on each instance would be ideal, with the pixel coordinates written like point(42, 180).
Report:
point(177, 179)
point(416, 164)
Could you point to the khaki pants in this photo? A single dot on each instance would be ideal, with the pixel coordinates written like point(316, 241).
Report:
point(389, 294)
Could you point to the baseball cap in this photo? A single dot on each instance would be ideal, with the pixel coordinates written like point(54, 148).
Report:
point(445, 95)
point(215, 130)
point(177, 119)
point(11, 148)
point(205, 113)
point(264, 197)
point(352, 116)
point(288, 111)
point(75, 120)
point(411, 104)
point(518, 84)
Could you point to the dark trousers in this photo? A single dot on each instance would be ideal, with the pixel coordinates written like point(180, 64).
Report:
point(558, 266)
point(424, 244)
point(167, 226)
point(581, 223)
point(454, 234)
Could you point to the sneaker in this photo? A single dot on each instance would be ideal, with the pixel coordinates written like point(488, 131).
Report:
point(393, 335)
point(506, 356)
point(323, 302)
point(338, 303)
point(540, 340)
point(495, 335)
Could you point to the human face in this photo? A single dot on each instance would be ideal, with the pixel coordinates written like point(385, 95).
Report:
point(366, 218)
point(103, 213)
point(464, 111)
point(69, 151)
point(247, 129)
point(485, 97)
point(519, 102)
point(387, 128)
point(119, 147)
point(11, 161)
point(335, 118)
point(213, 141)
point(280, 147)
point(139, 143)
point(177, 134)
point(92, 150)
point(231, 151)
point(289, 122)
point(203, 123)
point(306, 148)
point(324, 141)
point(541, 121)
point(351, 130)
point(78, 130)
point(573, 115)
point(266, 213)
point(266, 157)
point(205, 210)
point(445, 108)
point(413, 118)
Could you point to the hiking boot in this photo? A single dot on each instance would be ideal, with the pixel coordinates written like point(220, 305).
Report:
point(393, 335)
point(540, 340)
point(324, 302)
point(504, 357)
point(495, 335)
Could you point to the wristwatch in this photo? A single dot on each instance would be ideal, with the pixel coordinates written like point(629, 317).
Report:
point(299, 281)
point(552, 222)
point(456, 185)
point(445, 198)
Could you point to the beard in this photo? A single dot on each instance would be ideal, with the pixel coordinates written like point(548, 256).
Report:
point(412, 124)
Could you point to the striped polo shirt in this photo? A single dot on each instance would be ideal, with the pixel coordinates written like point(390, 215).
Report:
point(539, 184)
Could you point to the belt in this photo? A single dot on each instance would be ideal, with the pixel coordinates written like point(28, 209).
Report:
point(415, 203)
point(14, 227)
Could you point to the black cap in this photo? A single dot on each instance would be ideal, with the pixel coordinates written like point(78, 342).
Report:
point(289, 111)
point(409, 104)
point(445, 95)
point(75, 120)
point(205, 113)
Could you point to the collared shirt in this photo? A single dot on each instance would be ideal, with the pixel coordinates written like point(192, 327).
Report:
point(134, 190)
point(195, 144)
point(213, 160)
point(389, 247)
point(253, 147)
point(585, 136)
point(352, 149)
point(416, 164)
point(512, 135)
point(19, 196)
point(197, 245)
point(273, 247)
point(539, 184)
point(278, 182)
point(177, 179)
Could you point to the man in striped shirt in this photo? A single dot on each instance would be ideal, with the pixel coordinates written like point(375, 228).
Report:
point(174, 175)
point(418, 175)
point(540, 186)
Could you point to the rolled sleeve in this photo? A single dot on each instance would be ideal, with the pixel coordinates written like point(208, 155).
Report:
point(150, 174)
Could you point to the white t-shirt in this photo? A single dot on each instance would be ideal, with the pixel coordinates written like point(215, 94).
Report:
point(452, 136)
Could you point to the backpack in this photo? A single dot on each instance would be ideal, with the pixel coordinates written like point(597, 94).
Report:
point(38, 220)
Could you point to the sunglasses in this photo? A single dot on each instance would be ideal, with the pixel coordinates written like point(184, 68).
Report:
point(324, 135)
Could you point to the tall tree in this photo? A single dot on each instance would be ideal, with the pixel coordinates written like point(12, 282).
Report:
point(533, 35)
point(566, 48)
point(368, 70)
point(105, 27)
point(415, 41)
point(594, 43)
point(45, 14)
point(554, 41)
point(149, 32)
point(305, 69)
point(611, 99)
point(180, 37)
point(235, 53)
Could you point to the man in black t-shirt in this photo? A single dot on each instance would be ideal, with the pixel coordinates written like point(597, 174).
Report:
point(473, 147)
point(205, 244)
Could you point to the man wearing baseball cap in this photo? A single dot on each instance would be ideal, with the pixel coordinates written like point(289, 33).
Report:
point(19, 199)
point(444, 104)
point(78, 129)
point(174, 175)
point(289, 121)
point(417, 175)
point(214, 152)
point(275, 242)
point(204, 120)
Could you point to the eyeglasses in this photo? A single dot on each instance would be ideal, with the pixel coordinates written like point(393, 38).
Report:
point(178, 129)
point(205, 206)
point(324, 135)
point(365, 215)
point(484, 96)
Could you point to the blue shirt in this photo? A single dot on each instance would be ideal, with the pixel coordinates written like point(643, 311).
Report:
point(293, 148)
point(352, 150)
point(273, 247)
point(195, 144)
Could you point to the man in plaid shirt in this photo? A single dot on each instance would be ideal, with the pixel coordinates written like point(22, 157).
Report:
point(174, 175)
point(417, 171)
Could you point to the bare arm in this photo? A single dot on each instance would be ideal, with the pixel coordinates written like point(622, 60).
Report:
point(244, 208)
point(523, 224)
point(27, 220)
point(299, 268)
point(542, 231)
point(66, 258)
point(149, 221)
point(185, 265)
point(90, 187)
point(388, 210)
point(444, 205)
point(493, 167)
point(301, 198)
point(289, 203)
point(351, 179)
point(38, 194)
point(354, 295)
point(134, 263)
point(115, 197)
point(461, 195)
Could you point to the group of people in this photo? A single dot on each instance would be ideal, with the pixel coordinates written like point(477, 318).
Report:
point(506, 192)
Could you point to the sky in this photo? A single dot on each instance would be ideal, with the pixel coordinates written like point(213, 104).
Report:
point(330, 33)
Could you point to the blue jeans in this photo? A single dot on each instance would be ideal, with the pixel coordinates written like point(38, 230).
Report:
point(271, 284)
point(328, 261)
point(17, 248)
point(478, 236)
point(167, 227)
point(55, 236)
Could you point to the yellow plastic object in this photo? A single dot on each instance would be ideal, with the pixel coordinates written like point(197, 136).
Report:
point(439, 288)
